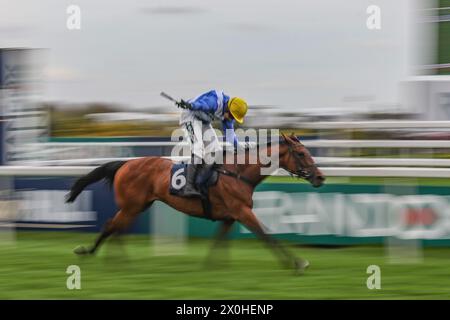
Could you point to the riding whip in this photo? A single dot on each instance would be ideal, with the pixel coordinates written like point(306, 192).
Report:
point(180, 104)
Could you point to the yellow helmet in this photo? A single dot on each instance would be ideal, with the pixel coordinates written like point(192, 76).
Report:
point(238, 108)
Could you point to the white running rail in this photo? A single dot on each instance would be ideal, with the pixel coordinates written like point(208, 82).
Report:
point(69, 171)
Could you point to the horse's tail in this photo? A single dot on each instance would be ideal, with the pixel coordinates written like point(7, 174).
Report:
point(106, 171)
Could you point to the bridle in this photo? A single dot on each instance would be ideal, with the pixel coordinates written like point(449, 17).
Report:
point(304, 171)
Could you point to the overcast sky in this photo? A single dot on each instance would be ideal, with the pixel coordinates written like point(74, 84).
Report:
point(291, 53)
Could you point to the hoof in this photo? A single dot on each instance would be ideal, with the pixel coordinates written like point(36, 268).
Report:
point(80, 250)
point(301, 265)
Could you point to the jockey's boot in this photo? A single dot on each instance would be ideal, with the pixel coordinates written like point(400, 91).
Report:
point(190, 189)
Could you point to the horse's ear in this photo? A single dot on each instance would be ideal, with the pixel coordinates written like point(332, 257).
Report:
point(294, 137)
point(285, 137)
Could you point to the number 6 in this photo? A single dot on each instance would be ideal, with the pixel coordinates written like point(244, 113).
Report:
point(178, 180)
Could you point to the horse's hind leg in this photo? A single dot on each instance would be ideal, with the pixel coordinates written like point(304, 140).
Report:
point(120, 222)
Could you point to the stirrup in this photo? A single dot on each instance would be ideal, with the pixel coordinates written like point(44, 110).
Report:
point(190, 192)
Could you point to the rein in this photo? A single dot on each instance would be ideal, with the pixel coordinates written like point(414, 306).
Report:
point(235, 175)
point(304, 172)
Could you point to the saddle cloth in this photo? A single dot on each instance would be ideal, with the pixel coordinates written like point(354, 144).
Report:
point(206, 177)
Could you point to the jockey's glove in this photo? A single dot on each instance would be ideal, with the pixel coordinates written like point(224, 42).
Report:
point(183, 104)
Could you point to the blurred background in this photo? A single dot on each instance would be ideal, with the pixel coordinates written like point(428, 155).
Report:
point(371, 104)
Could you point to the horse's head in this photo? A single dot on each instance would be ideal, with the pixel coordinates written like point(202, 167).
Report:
point(297, 160)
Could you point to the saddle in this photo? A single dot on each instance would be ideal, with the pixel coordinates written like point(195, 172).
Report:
point(206, 177)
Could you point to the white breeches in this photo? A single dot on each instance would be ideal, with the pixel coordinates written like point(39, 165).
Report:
point(203, 140)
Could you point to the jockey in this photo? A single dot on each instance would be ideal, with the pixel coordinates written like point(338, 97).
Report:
point(196, 120)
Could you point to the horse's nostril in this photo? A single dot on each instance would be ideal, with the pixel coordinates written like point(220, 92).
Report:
point(321, 178)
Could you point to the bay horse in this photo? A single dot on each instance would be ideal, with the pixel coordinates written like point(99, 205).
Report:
point(138, 183)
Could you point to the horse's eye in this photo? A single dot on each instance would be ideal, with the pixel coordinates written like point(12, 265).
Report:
point(301, 154)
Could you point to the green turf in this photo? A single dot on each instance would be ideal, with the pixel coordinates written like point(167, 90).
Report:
point(35, 267)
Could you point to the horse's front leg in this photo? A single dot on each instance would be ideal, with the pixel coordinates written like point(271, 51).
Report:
point(249, 219)
point(220, 244)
